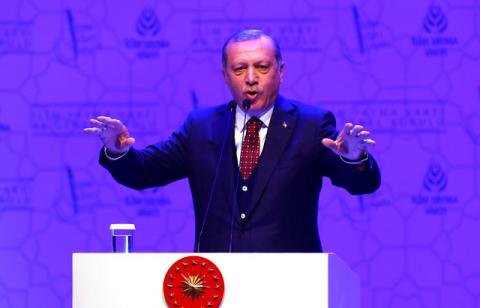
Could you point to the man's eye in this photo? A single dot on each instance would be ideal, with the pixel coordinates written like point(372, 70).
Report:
point(263, 68)
point(238, 70)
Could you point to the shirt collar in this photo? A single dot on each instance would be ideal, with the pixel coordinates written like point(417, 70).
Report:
point(265, 117)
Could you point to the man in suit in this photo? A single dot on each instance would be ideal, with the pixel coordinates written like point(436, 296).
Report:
point(259, 195)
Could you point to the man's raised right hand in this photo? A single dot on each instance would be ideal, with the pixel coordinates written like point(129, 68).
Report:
point(113, 134)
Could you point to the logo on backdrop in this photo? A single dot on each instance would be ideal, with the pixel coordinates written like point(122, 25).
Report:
point(435, 22)
point(435, 180)
point(434, 196)
point(435, 42)
point(148, 43)
point(193, 282)
point(148, 23)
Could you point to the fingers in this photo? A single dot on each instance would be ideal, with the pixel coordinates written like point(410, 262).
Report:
point(363, 133)
point(103, 123)
point(368, 141)
point(130, 140)
point(103, 119)
point(356, 130)
point(357, 136)
point(123, 143)
point(111, 132)
point(363, 136)
point(97, 123)
point(93, 130)
point(98, 127)
point(329, 143)
point(346, 129)
point(109, 122)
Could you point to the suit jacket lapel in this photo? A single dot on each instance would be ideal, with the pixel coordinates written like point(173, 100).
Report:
point(280, 130)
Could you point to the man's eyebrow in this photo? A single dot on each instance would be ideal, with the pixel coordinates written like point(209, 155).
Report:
point(239, 64)
point(262, 62)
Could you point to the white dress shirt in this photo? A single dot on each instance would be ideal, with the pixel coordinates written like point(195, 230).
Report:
point(239, 128)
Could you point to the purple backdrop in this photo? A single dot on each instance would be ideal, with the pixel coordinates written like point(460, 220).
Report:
point(408, 70)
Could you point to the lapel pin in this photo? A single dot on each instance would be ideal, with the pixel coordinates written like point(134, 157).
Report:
point(284, 124)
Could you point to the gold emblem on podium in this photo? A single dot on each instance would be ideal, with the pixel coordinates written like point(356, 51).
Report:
point(193, 282)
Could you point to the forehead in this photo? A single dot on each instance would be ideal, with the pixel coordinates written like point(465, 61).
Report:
point(258, 49)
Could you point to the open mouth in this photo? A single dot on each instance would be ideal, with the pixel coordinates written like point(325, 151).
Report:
point(251, 94)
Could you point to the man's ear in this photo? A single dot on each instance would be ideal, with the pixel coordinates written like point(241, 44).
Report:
point(224, 73)
point(280, 70)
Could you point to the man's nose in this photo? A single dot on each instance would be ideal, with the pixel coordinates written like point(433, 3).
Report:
point(251, 78)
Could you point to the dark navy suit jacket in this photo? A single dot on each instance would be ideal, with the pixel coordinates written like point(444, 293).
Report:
point(284, 200)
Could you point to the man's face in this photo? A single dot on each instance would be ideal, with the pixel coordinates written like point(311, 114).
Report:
point(252, 72)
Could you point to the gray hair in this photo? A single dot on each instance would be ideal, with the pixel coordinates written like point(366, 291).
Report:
point(249, 35)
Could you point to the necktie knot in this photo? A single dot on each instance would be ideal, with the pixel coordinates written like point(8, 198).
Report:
point(254, 125)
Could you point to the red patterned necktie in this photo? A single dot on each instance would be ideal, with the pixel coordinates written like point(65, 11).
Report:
point(250, 148)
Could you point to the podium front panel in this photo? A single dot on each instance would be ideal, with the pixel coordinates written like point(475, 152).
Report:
point(103, 280)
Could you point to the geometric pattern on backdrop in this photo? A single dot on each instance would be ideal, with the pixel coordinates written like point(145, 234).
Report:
point(404, 69)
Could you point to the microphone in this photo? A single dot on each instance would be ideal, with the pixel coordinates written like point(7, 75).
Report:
point(246, 104)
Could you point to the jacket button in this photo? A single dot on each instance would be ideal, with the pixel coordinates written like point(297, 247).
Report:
point(242, 216)
point(244, 188)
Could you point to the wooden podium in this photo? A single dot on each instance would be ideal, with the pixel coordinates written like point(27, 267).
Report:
point(113, 280)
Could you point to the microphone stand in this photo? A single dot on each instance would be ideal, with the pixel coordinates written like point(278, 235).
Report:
point(246, 106)
point(231, 107)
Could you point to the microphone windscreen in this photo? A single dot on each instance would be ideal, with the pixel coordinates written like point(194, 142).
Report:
point(246, 104)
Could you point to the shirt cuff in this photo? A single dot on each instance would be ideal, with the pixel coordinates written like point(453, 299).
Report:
point(114, 158)
point(355, 162)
